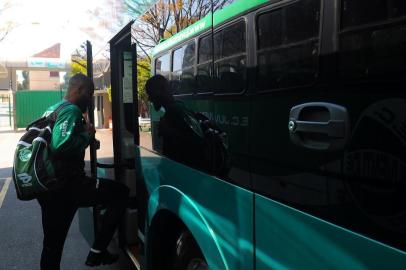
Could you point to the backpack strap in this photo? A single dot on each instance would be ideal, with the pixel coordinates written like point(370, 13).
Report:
point(52, 116)
point(45, 120)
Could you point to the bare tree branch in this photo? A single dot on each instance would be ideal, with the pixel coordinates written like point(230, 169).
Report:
point(8, 26)
point(78, 62)
point(168, 17)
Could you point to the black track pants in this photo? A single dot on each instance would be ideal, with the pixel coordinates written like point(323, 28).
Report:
point(59, 208)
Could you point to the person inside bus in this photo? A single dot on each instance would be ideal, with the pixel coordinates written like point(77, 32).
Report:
point(182, 137)
point(71, 136)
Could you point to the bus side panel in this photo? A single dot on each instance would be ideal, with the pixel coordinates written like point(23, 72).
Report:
point(218, 214)
point(291, 239)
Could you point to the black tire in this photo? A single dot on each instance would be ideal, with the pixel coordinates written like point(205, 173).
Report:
point(187, 254)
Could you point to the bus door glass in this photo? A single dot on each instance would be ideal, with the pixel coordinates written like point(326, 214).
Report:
point(125, 126)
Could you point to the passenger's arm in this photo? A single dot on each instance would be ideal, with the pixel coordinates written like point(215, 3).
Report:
point(69, 135)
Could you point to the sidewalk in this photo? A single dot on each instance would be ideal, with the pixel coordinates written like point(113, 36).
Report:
point(4, 116)
point(8, 142)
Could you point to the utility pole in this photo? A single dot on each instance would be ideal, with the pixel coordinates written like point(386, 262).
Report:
point(12, 95)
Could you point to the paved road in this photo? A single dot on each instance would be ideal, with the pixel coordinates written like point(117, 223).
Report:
point(20, 222)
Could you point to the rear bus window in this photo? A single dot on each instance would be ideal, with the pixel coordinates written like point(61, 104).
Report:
point(372, 40)
point(204, 66)
point(162, 65)
point(288, 41)
point(230, 59)
point(183, 69)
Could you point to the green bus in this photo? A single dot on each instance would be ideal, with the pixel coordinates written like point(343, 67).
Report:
point(294, 84)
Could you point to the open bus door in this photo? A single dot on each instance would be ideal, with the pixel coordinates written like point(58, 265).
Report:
point(123, 64)
point(123, 59)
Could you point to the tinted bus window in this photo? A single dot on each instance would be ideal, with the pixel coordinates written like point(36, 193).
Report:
point(273, 37)
point(398, 8)
point(204, 67)
point(360, 12)
point(205, 50)
point(302, 21)
point(217, 45)
point(288, 41)
point(372, 51)
point(162, 65)
point(183, 70)
point(234, 40)
point(184, 57)
point(230, 59)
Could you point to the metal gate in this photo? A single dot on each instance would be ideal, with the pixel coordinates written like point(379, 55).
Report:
point(31, 104)
point(6, 111)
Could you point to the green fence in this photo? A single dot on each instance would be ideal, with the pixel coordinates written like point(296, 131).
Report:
point(31, 104)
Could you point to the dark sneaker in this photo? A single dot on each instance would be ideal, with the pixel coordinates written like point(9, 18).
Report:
point(105, 257)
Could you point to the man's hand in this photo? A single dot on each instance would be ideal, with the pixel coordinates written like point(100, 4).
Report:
point(90, 128)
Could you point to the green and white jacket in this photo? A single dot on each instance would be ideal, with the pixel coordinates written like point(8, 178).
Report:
point(69, 141)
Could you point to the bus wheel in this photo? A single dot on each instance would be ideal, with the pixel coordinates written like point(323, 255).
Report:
point(187, 254)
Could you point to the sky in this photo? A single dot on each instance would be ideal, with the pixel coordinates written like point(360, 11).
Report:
point(39, 24)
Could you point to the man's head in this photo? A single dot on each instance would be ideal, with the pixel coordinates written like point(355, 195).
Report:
point(80, 91)
point(157, 88)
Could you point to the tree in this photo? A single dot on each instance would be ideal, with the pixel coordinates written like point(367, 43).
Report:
point(79, 61)
point(166, 18)
point(105, 19)
point(78, 66)
point(143, 74)
point(26, 81)
point(25, 84)
point(5, 26)
point(64, 85)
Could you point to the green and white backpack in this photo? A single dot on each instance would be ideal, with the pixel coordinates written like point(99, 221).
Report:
point(33, 172)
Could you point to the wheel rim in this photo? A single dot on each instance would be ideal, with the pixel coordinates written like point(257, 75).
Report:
point(197, 264)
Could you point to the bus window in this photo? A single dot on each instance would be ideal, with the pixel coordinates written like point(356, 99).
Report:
point(398, 8)
point(204, 67)
point(162, 65)
point(230, 59)
point(217, 45)
point(372, 51)
point(355, 12)
point(288, 48)
point(183, 69)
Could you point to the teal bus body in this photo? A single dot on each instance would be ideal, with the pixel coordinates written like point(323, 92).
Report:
point(295, 240)
point(223, 230)
point(220, 217)
point(237, 225)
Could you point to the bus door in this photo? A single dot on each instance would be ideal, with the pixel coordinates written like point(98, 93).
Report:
point(125, 131)
point(120, 167)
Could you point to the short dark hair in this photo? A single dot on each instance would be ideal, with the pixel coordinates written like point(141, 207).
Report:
point(79, 81)
point(157, 82)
